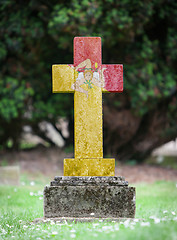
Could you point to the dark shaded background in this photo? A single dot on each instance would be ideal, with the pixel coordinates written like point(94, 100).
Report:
point(140, 34)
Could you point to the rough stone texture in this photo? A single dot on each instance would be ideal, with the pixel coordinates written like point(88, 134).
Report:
point(83, 197)
point(9, 175)
point(82, 181)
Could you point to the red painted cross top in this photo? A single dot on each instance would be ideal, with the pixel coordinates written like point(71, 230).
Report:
point(90, 48)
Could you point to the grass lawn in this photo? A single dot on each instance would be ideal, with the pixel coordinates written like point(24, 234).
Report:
point(156, 205)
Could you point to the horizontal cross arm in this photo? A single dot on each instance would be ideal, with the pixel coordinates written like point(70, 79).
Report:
point(112, 77)
point(62, 78)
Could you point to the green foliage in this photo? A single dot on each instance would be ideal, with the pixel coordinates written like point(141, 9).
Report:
point(34, 35)
point(14, 95)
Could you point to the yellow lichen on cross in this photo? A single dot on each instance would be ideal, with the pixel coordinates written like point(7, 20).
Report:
point(88, 78)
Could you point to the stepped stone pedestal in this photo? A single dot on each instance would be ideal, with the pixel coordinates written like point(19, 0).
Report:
point(89, 197)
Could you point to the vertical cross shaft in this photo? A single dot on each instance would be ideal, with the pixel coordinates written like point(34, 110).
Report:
point(88, 110)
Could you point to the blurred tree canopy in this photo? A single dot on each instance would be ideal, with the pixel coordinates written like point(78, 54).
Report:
point(34, 34)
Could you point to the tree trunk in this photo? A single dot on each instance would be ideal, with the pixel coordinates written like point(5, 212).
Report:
point(127, 136)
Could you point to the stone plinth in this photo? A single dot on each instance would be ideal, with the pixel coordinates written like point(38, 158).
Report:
point(100, 197)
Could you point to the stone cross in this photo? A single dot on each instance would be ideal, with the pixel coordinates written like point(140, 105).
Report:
point(87, 78)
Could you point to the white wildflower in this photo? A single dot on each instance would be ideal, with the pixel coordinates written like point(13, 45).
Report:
point(32, 183)
point(92, 214)
point(72, 230)
point(173, 213)
point(165, 211)
point(116, 227)
point(3, 231)
point(31, 193)
point(132, 223)
point(73, 235)
point(126, 223)
point(132, 227)
point(54, 233)
point(95, 224)
point(107, 228)
point(156, 220)
point(95, 235)
point(145, 224)
point(136, 220)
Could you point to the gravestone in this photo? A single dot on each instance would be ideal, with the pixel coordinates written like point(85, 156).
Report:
point(88, 188)
point(9, 175)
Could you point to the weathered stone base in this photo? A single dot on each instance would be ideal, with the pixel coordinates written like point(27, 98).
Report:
point(87, 197)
